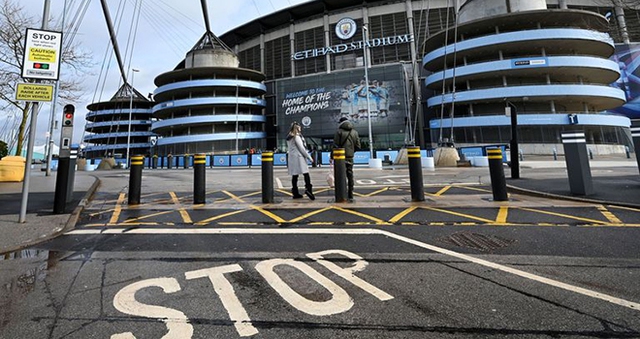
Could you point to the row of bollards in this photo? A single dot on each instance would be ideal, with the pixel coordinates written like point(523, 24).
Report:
point(340, 170)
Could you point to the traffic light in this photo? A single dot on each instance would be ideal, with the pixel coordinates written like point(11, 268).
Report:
point(67, 115)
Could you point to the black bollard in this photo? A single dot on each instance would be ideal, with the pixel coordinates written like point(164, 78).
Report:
point(154, 162)
point(186, 161)
point(199, 179)
point(340, 174)
point(555, 154)
point(135, 179)
point(496, 171)
point(62, 183)
point(169, 161)
point(576, 157)
point(267, 177)
point(415, 173)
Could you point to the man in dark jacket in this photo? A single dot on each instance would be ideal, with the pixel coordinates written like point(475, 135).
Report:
point(346, 137)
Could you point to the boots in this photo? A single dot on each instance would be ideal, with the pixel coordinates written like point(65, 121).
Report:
point(308, 188)
point(294, 188)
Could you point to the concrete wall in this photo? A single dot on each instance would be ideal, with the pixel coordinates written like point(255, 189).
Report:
point(478, 9)
point(211, 58)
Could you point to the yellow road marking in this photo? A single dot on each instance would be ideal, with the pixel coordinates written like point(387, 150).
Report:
point(207, 221)
point(117, 210)
point(502, 215)
point(133, 221)
point(269, 214)
point(402, 214)
point(562, 215)
point(183, 213)
point(233, 196)
point(459, 214)
point(442, 191)
point(375, 193)
point(312, 213)
point(610, 216)
point(366, 216)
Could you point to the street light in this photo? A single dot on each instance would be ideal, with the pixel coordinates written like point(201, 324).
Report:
point(365, 40)
point(134, 71)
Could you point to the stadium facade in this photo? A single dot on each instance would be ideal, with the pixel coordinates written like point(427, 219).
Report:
point(549, 60)
point(438, 71)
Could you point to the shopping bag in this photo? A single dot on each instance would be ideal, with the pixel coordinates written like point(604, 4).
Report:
point(331, 180)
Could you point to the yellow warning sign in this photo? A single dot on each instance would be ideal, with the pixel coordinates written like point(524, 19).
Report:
point(42, 54)
point(34, 92)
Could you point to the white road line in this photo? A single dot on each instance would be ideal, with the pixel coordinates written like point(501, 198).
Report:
point(526, 275)
point(279, 183)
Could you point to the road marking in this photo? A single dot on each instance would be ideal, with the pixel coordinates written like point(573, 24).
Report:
point(363, 215)
point(458, 214)
point(502, 215)
point(349, 273)
point(268, 214)
point(135, 220)
point(279, 183)
point(117, 210)
point(310, 214)
point(220, 216)
point(225, 291)
point(402, 214)
point(183, 212)
point(442, 191)
point(366, 231)
point(607, 214)
point(562, 215)
point(176, 321)
point(338, 303)
point(233, 196)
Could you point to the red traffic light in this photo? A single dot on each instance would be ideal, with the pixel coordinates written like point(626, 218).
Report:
point(68, 115)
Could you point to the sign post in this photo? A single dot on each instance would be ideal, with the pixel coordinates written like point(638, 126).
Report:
point(41, 62)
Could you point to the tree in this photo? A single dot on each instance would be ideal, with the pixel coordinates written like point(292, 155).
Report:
point(4, 149)
point(14, 22)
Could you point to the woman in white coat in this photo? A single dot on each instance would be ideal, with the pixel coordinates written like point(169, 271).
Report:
point(297, 161)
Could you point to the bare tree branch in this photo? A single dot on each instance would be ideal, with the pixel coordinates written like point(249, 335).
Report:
point(14, 22)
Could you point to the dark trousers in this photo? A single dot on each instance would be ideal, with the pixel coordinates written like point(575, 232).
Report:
point(350, 184)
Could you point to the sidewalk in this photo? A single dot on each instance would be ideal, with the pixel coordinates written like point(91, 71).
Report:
point(615, 181)
point(40, 222)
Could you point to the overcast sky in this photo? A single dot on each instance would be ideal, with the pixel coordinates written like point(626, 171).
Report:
point(167, 29)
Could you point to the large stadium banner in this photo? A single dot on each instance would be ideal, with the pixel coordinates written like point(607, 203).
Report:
point(628, 58)
point(318, 102)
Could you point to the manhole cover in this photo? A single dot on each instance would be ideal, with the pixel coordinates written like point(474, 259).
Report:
point(477, 241)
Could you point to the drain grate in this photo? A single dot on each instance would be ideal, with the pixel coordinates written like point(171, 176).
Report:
point(477, 241)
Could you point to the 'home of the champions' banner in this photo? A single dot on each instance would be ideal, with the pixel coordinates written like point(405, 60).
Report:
point(317, 102)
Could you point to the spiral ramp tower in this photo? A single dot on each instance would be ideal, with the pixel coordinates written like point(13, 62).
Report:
point(207, 104)
point(551, 65)
point(108, 125)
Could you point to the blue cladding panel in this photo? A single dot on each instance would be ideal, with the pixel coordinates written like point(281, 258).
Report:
point(240, 160)
point(280, 159)
point(221, 161)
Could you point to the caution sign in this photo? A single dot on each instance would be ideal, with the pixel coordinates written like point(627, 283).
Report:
point(42, 54)
point(34, 92)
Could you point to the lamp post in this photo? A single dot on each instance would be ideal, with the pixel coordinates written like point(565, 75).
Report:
point(365, 41)
point(134, 71)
